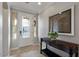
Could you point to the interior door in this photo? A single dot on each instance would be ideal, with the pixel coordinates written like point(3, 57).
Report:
point(25, 29)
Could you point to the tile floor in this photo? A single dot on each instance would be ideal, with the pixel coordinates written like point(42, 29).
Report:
point(27, 51)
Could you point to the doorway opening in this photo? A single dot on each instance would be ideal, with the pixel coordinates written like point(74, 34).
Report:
point(23, 30)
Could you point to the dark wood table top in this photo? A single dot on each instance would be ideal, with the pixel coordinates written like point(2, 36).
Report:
point(60, 44)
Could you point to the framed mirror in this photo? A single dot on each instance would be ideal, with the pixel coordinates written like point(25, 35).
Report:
point(62, 22)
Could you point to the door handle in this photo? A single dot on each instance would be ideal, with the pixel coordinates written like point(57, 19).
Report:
point(20, 32)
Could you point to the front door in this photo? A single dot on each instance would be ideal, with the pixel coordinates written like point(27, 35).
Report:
point(25, 29)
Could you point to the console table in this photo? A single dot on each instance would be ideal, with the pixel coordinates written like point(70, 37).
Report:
point(70, 48)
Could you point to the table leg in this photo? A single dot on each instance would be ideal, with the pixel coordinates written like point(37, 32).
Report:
point(76, 53)
point(41, 46)
point(70, 52)
point(46, 45)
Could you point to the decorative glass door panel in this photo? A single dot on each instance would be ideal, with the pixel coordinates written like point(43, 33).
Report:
point(25, 27)
point(14, 26)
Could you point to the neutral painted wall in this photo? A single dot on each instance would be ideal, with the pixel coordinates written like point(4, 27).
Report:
point(0, 29)
point(43, 22)
point(5, 30)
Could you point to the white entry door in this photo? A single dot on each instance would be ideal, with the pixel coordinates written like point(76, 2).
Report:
point(25, 29)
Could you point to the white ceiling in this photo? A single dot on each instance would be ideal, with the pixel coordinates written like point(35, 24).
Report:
point(31, 7)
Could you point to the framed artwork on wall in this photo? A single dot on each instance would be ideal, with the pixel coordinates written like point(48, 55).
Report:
point(62, 22)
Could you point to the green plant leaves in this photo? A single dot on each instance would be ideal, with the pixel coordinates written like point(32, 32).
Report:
point(53, 35)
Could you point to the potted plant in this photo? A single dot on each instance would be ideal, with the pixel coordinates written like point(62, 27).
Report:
point(52, 35)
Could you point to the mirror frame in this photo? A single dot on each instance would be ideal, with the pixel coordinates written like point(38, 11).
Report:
point(72, 22)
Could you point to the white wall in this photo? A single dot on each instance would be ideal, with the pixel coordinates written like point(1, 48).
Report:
point(43, 22)
point(5, 30)
point(0, 29)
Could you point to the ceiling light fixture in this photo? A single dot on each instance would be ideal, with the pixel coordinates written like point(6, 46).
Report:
point(39, 3)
